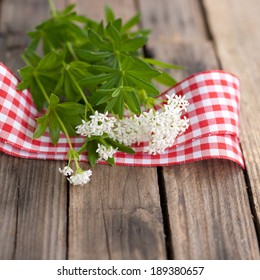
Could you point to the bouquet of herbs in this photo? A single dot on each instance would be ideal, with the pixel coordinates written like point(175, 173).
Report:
point(90, 79)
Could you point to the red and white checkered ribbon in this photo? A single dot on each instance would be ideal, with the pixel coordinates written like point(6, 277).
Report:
point(213, 133)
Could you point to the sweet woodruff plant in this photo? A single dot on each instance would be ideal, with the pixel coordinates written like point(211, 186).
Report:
point(90, 79)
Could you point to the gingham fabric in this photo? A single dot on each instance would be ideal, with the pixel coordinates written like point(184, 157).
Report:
point(213, 132)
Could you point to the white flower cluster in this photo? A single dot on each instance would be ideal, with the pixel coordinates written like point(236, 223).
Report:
point(66, 171)
point(80, 178)
point(105, 152)
point(158, 128)
point(99, 124)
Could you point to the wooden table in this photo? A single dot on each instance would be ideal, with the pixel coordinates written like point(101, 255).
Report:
point(203, 210)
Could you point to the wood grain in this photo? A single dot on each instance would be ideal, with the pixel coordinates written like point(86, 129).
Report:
point(206, 221)
point(42, 209)
point(237, 44)
point(8, 205)
point(33, 194)
point(211, 219)
point(117, 216)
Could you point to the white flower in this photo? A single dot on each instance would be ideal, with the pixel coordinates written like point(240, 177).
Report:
point(158, 129)
point(81, 178)
point(66, 171)
point(99, 124)
point(104, 152)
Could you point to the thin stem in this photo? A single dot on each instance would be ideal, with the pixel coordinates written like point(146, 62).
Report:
point(71, 50)
point(52, 8)
point(63, 129)
point(83, 148)
point(103, 142)
point(25, 60)
point(56, 115)
point(81, 93)
point(77, 165)
point(42, 90)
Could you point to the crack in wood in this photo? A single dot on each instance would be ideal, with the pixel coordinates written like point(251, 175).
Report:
point(165, 214)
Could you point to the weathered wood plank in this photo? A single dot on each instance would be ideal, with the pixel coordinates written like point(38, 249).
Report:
point(237, 42)
point(118, 215)
point(211, 219)
point(33, 194)
point(42, 209)
point(13, 21)
point(209, 212)
point(8, 205)
point(18, 17)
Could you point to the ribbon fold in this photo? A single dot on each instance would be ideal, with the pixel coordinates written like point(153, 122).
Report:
point(213, 133)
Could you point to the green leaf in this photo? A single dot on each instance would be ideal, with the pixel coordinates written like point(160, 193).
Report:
point(114, 35)
point(134, 44)
point(166, 79)
point(101, 96)
point(142, 84)
point(78, 68)
point(68, 87)
point(162, 64)
point(132, 101)
point(105, 69)
point(26, 72)
point(23, 85)
point(71, 108)
point(110, 105)
point(71, 114)
point(94, 80)
point(119, 106)
point(121, 147)
point(131, 22)
point(109, 14)
point(31, 57)
point(73, 72)
point(98, 41)
point(93, 156)
point(118, 24)
point(37, 96)
point(111, 161)
point(146, 74)
point(59, 84)
point(54, 101)
point(116, 92)
point(137, 67)
point(41, 127)
point(54, 127)
point(35, 41)
point(105, 99)
point(91, 56)
point(68, 9)
point(50, 60)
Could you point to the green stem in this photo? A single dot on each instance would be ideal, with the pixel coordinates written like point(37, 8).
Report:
point(83, 148)
point(71, 50)
point(81, 93)
point(56, 115)
point(63, 128)
point(52, 8)
point(25, 59)
point(103, 142)
point(78, 168)
point(42, 89)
